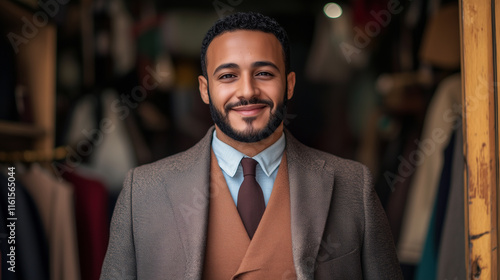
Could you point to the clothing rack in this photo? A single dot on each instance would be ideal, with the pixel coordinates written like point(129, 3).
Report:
point(30, 156)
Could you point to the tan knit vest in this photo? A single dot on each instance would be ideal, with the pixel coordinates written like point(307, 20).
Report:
point(229, 253)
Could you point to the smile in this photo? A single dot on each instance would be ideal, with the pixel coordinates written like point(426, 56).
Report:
point(250, 110)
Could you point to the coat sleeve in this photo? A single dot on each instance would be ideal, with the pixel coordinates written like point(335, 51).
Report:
point(120, 262)
point(379, 258)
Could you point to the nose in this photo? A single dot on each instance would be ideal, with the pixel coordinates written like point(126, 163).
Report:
point(248, 87)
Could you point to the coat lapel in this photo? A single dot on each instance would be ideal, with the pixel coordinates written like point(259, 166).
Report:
point(189, 197)
point(311, 184)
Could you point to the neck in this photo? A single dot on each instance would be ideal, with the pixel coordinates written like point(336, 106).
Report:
point(250, 149)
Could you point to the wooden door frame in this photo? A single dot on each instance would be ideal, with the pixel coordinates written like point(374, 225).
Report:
point(479, 34)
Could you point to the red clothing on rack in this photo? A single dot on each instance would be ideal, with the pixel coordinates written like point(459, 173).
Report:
point(92, 223)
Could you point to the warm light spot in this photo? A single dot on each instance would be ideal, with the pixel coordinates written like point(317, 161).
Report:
point(332, 10)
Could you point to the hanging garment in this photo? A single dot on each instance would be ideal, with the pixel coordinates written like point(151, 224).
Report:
point(427, 162)
point(54, 200)
point(451, 256)
point(427, 268)
point(397, 199)
point(111, 152)
point(363, 9)
point(92, 223)
point(30, 247)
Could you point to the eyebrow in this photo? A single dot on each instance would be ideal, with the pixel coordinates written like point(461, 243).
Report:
point(226, 66)
point(265, 63)
point(255, 64)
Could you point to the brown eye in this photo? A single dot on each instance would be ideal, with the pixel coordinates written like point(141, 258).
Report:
point(226, 76)
point(264, 74)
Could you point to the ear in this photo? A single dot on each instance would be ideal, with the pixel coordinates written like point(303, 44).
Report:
point(203, 86)
point(291, 84)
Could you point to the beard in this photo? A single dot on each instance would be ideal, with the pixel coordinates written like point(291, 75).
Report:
point(250, 135)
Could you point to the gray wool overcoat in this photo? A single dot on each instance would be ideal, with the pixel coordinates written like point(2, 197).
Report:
point(339, 229)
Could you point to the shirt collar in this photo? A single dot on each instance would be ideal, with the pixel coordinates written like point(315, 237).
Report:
point(229, 158)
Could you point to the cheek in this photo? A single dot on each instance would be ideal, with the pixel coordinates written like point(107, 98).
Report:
point(222, 94)
point(276, 93)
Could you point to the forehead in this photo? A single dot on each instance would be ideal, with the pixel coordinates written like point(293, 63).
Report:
point(244, 46)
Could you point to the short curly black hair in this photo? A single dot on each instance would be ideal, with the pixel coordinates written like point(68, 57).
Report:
point(246, 21)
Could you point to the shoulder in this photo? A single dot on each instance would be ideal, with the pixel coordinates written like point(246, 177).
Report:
point(177, 163)
point(342, 168)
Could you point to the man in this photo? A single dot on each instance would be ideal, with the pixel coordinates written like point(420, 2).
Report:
point(291, 213)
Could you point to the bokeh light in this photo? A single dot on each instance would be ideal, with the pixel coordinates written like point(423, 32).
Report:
point(332, 10)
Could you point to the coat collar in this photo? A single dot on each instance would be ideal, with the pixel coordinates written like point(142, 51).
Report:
point(311, 184)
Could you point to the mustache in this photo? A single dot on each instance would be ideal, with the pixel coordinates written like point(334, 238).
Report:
point(252, 101)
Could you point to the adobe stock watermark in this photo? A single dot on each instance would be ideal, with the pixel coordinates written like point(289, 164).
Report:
point(122, 107)
point(363, 37)
point(427, 147)
point(224, 8)
point(417, 157)
point(49, 9)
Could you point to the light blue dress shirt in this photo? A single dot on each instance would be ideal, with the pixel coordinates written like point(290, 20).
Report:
point(229, 161)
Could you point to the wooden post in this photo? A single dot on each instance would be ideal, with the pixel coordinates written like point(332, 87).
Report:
point(496, 84)
point(479, 36)
point(34, 42)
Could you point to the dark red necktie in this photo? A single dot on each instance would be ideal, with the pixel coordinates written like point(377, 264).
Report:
point(251, 204)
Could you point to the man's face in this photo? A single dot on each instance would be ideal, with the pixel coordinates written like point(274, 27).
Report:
point(247, 84)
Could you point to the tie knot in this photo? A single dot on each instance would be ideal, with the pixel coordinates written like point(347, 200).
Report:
point(248, 165)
